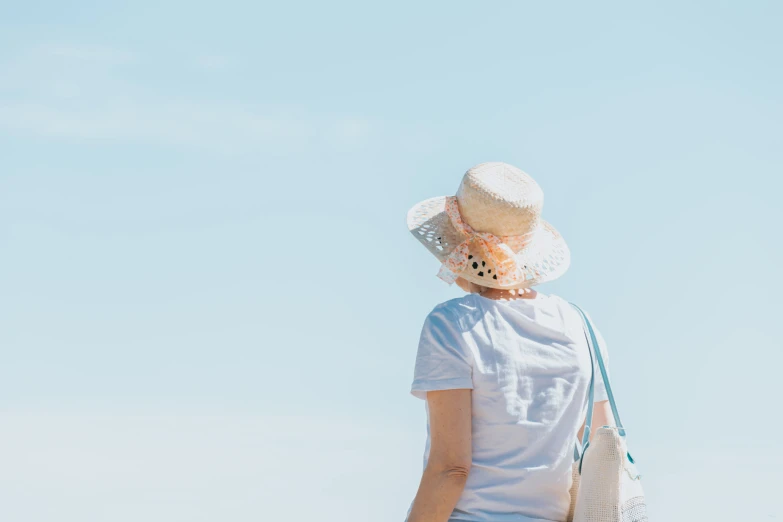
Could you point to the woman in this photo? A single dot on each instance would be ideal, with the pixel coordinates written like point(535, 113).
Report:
point(504, 370)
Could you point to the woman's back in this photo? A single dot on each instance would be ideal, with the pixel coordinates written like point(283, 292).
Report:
point(528, 365)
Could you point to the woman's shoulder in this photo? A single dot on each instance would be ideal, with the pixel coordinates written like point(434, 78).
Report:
point(458, 306)
point(460, 310)
point(559, 301)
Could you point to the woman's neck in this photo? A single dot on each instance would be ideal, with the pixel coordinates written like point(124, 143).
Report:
point(516, 293)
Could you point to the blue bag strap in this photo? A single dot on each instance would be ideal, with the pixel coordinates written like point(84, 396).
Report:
point(604, 375)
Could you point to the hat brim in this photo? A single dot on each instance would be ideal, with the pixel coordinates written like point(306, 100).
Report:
point(544, 258)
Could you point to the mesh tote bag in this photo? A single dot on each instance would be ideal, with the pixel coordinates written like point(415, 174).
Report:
point(606, 486)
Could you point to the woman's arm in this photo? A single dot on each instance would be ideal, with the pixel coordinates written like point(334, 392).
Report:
point(450, 456)
point(602, 416)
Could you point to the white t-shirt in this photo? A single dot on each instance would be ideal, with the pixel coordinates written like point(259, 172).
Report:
point(528, 364)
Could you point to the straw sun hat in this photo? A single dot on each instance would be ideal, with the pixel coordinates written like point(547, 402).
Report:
point(491, 233)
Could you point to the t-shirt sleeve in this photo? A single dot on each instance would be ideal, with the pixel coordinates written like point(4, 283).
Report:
point(443, 361)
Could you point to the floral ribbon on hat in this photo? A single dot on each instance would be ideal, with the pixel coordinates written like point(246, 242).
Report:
point(493, 248)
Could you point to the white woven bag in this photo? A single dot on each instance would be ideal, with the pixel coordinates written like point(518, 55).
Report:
point(606, 487)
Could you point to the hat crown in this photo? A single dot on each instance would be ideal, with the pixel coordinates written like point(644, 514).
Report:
point(500, 199)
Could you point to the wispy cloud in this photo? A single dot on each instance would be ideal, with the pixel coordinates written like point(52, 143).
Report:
point(351, 131)
point(73, 92)
point(215, 62)
point(220, 126)
point(95, 54)
point(203, 468)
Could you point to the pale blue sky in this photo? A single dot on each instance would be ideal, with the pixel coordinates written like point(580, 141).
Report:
point(210, 302)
